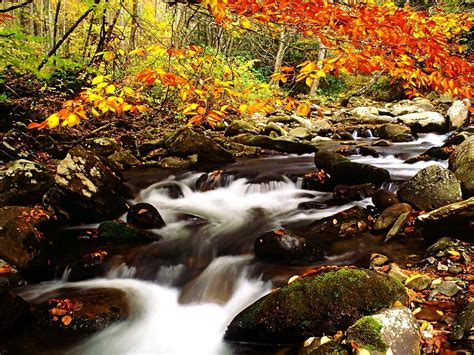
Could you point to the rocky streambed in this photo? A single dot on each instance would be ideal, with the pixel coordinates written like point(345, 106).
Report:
point(323, 245)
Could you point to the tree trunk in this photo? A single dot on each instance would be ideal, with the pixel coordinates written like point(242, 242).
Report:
point(133, 25)
point(321, 56)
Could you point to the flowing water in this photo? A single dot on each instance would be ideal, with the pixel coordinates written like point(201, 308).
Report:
point(186, 288)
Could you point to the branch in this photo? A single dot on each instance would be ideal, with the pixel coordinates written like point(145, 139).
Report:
point(14, 7)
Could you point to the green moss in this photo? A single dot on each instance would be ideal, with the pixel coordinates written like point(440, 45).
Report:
point(366, 333)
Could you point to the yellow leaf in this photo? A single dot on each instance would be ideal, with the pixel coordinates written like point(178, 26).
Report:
point(127, 107)
point(309, 81)
point(109, 56)
point(110, 89)
point(97, 80)
point(321, 73)
point(53, 120)
point(246, 24)
point(95, 113)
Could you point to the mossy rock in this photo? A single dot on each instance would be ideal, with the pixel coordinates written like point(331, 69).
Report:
point(314, 306)
point(239, 127)
point(278, 144)
point(326, 160)
point(118, 232)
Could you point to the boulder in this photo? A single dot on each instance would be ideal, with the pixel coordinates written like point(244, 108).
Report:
point(464, 323)
point(14, 311)
point(403, 138)
point(23, 182)
point(278, 144)
point(410, 106)
point(79, 312)
point(322, 126)
point(326, 160)
point(179, 162)
point(352, 173)
point(88, 266)
point(240, 127)
point(186, 141)
point(461, 163)
point(368, 114)
point(89, 190)
point(119, 232)
point(20, 242)
point(453, 219)
point(124, 157)
point(315, 305)
point(388, 217)
point(301, 133)
point(149, 146)
point(423, 122)
point(284, 247)
point(458, 114)
point(275, 127)
point(144, 215)
point(102, 146)
point(383, 199)
point(395, 330)
point(431, 188)
point(387, 131)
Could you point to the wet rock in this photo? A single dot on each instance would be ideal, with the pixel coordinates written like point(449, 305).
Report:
point(458, 114)
point(278, 144)
point(388, 217)
point(316, 182)
point(397, 273)
point(437, 153)
point(464, 323)
point(431, 188)
point(322, 126)
point(418, 283)
point(10, 277)
point(348, 223)
point(124, 157)
point(119, 232)
point(319, 348)
point(352, 173)
point(403, 138)
point(461, 163)
point(447, 288)
point(20, 242)
point(102, 146)
point(395, 329)
point(186, 141)
point(397, 226)
point(377, 260)
point(382, 199)
point(354, 192)
point(78, 312)
point(315, 305)
point(23, 182)
point(388, 131)
point(441, 245)
point(367, 151)
point(149, 146)
point(343, 135)
point(89, 189)
point(88, 266)
point(382, 143)
point(284, 247)
point(240, 127)
point(144, 215)
point(326, 160)
point(423, 122)
point(410, 106)
point(14, 311)
point(453, 219)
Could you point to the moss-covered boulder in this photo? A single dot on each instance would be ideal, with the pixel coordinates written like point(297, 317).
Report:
point(239, 127)
point(352, 173)
point(315, 305)
point(464, 322)
point(387, 131)
point(395, 329)
point(431, 188)
point(461, 163)
point(326, 160)
point(186, 141)
point(278, 144)
point(23, 182)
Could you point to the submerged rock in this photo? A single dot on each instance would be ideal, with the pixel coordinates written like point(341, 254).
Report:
point(77, 312)
point(461, 163)
point(354, 192)
point(315, 305)
point(284, 247)
point(89, 190)
point(23, 182)
point(186, 141)
point(14, 311)
point(431, 188)
point(144, 215)
point(119, 232)
point(394, 330)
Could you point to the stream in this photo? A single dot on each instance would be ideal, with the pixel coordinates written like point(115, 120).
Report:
point(186, 288)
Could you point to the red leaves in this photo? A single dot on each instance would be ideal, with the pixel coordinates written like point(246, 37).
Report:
point(64, 309)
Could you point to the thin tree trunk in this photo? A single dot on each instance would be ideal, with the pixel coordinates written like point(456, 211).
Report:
point(64, 38)
point(321, 56)
point(56, 18)
point(133, 25)
point(280, 54)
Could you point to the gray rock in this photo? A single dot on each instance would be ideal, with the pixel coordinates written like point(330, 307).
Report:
point(458, 114)
point(397, 226)
point(239, 127)
point(278, 144)
point(397, 273)
point(395, 329)
point(23, 182)
point(275, 127)
point(369, 115)
point(418, 283)
point(388, 217)
point(461, 163)
point(124, 157)
point(179, 163)
point(102, 146)
point(321, 126)
point(447, 288)
point(425, 121)
point(387, 131)
point(301, 133)
point(431, 188)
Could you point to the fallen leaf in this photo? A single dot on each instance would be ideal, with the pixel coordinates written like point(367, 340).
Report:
point(66, 320)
